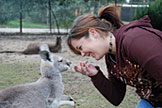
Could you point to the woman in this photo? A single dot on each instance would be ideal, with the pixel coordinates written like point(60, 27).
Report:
point(133, 55)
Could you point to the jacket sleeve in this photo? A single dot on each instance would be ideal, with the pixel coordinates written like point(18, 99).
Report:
point(146, 50)
point(112, 89)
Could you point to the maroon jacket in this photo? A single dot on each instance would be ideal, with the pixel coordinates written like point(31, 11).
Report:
point(138, 53)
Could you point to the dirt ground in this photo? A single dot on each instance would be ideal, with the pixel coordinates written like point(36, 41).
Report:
point(76, 85)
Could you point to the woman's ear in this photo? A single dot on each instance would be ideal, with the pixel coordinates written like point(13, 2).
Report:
point(93, 33)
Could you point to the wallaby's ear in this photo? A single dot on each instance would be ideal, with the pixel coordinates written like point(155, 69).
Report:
point(45, 55)
point(45, 52)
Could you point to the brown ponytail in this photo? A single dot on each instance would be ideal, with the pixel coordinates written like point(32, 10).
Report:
point(109, 13)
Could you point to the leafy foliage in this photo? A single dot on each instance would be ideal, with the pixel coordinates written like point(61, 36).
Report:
point(154, 12)
point(62, 13)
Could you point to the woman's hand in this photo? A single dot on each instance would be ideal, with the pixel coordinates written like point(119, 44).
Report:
point(86, 69)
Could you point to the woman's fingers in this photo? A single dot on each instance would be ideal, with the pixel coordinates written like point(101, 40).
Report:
point(76, 68)
point(79, 69)
point(82, 65)
point(85, 69)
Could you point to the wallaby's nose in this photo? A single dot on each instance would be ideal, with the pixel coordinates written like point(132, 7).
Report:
point(69, 63)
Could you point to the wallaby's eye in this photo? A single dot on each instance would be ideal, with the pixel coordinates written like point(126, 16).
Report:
point(60, 60)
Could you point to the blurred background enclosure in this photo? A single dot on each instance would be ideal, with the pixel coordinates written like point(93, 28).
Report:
point(55, 16)
point(23, 22)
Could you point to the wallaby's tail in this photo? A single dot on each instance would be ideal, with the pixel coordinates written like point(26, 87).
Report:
point(10, 51)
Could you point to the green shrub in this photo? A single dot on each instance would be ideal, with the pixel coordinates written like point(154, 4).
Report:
point(154, 11)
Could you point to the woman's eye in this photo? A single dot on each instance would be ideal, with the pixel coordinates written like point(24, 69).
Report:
point(80, 48)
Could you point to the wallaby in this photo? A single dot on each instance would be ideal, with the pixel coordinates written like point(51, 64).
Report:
point(33, 48)
point(46, 92)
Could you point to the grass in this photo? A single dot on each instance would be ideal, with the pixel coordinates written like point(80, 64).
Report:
point(125, 22)
point(16, 24)
point(13, 74)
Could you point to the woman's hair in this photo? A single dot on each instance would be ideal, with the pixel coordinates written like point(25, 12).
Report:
point(107, 20)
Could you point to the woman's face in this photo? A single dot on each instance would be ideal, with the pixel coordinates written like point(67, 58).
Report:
point(95, 45)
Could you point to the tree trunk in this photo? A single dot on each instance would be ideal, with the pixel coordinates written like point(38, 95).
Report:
point(57, 25)
point(20, 16)
point(50, 22)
